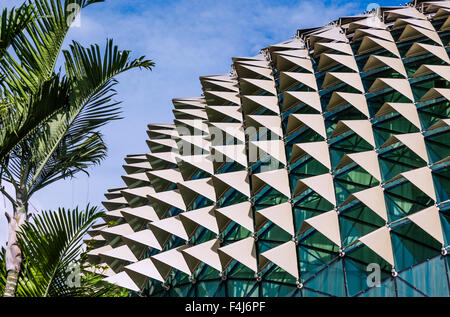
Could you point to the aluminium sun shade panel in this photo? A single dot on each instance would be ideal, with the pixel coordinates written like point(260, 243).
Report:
point(324, 108)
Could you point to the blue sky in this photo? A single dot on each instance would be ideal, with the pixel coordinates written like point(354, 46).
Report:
point(186, 39)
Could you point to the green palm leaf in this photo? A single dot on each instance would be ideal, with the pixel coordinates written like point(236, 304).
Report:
point(12, 23)
point(49, 130)
point(30, 65)
point(51, 243)
point(70, 141)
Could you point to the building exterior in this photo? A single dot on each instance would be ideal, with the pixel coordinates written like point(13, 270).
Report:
point(319, 167)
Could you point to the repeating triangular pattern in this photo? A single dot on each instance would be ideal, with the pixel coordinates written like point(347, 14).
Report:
point(299, 172)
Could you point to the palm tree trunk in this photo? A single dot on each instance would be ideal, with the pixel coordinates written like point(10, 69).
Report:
point(13, 254)
point(11, 284)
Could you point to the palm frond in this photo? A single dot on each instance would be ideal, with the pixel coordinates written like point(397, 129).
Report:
point(37, 49)
point(53, 94)
point(12, 23)
point(51, 244)
point(70, 141)
point(3, 273)
point(31, 65)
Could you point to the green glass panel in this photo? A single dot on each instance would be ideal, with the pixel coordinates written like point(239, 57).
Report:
point(386, 289)
point(306, 167)
point(301, 214)
point(178, 278)
point(277, 290)
point(356, 276)
point(361, 59)
point(429, 277)
point(235, 232)
point(304, 135)
point(405, 290)
point(300, 87)
point(405, 199)
point(447, 259)
point(221, 290)
point(434, 112)
point(228, 167)
point(254, 292)
point(312, 201)
point(412, 245)
point(368, 78)
point(264, 164)
point(353, 180)
point(413, 64)
point(344, 112)
point(202, 235)
point(315, 252)
point(357, 222)
point(311, 293)
point(200, 202)
point(379, 98)
point(347, 143)
point(238, 288)
point(181, 291)
point(264, 245)
point(358, 268)
point(330, 280)
point(445, 221)
point(207, 289)
point(239, 271)
point(273, 233)
point(278, 275)
point(398, 160)
point(205, 272)
point(155, 289)
point(441, 180)
point(445, 37)
point(431, 81)
point(231, 197)
point(269, 197)
point(438, 146)
point(396, 124)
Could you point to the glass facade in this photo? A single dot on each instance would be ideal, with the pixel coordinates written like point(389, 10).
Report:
point(319, 167)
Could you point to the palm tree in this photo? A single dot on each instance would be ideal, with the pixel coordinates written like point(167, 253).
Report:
point(50, 129)
point(53, 257)
point(12, 23)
